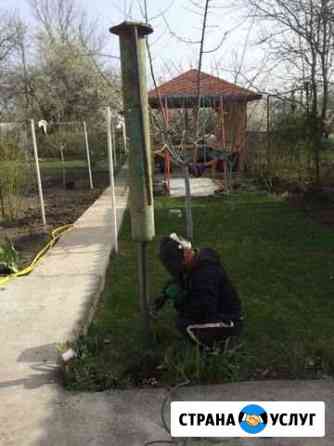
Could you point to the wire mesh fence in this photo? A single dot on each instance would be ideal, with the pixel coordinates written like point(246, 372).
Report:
point(256, 154)
point(64, 155)
point(273, 154)
point(282, 145)
point(98, 143)
point(50, 172)
point(18, 185)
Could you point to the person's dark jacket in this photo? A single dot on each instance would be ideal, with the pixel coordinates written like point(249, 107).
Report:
point(210, 294)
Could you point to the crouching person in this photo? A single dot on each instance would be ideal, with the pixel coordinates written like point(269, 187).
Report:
point(207, 304)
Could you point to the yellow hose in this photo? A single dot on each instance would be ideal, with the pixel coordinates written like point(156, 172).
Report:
point(54, 236)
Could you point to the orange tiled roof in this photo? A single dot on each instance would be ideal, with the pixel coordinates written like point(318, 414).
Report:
point(185, 85)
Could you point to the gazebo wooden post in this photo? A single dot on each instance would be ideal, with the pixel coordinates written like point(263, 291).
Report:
point(243, 143)
point(226, 166)
point(222, 138)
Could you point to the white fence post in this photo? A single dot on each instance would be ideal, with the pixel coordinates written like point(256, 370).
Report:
point(88, 156)
point(63, 168)
point(113, 139)
point(112, 180)
point(39, 181)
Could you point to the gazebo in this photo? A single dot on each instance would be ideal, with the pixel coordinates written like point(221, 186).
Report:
point(229, 101)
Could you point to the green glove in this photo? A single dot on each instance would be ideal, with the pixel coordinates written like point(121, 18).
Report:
point(175, 293)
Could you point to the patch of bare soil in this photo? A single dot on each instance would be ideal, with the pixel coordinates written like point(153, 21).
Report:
point(28, 234)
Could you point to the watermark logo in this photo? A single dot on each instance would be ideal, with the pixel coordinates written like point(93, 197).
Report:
point(248, 419)
point(253, 419)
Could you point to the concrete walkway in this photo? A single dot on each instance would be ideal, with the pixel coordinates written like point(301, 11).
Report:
point(52, 306)
point(49, 307)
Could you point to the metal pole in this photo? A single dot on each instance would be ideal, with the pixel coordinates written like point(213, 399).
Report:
point(189, 217)
point(113, 139)
point(63, 170)
point(143, 283)
point(39, 181)
point(125, 147)
point(112, 181)
point(88, 156)
point(268, 135)
point(133, 62)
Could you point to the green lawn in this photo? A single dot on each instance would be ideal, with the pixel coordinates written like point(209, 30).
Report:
point(283, 266)
point(52, 167)
point(49, 165)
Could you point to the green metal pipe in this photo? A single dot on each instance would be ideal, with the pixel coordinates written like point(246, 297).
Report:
point(132, 37)
point(133, 61)
point(143, 285)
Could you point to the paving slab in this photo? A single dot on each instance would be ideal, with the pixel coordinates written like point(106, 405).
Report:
point(200, 187)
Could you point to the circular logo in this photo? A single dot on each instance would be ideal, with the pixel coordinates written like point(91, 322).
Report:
point(253, 419)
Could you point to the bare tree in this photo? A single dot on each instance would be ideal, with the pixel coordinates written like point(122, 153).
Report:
point(200, 60)
point(70, 73)
point(301, 35)
point(10, 36)
point(58, 18)
point(203, 12)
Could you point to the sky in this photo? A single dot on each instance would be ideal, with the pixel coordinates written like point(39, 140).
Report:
point(176, 21)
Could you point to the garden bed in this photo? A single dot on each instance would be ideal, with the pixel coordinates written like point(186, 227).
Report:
point(282, 263)
point(62, 206)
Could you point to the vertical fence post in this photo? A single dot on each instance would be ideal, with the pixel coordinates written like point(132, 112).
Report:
point(114, 145)
point(63, 168)
point(88, 156)
point(268, 136)
point(39, 181)
point(112, 181)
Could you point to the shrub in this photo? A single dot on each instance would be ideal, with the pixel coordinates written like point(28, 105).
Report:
point(13, 178)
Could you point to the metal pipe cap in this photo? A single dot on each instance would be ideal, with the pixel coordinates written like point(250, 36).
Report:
point(143, 29)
